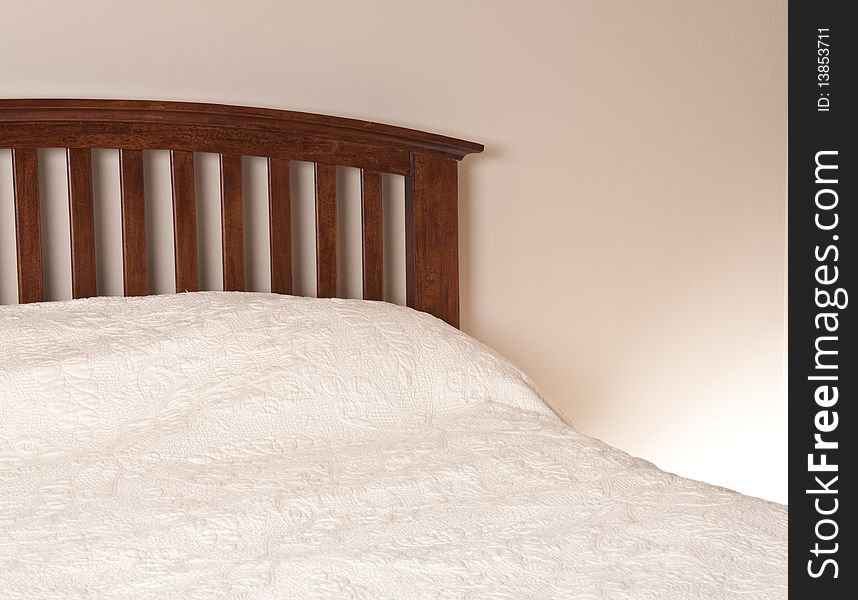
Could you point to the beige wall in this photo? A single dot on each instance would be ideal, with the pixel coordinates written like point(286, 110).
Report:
point(623, 233)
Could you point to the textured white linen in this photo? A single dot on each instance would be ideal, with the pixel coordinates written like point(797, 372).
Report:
point(214, 445)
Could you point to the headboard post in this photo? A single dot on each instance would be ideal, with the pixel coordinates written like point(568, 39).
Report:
point(432, 236)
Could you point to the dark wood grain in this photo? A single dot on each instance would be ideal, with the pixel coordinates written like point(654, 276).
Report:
point(25, 172)
point(200, 127)
point(432, 237)
point(134, 260)
point(184, 221)
point(326, 231)
point(428, 161)
point(232, 222)
point(280, 225)
point(373, 235)
point(246, 141)
point(81, 222)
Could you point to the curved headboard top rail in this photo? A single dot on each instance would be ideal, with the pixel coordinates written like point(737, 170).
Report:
point(183, 125)
point(428, 161)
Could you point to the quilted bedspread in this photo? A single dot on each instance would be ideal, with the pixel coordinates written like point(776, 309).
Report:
point(247, 446)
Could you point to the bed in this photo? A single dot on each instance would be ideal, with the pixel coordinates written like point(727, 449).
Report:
point(240, 444)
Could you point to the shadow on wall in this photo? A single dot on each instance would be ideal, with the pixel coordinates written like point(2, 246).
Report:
point(648, 341)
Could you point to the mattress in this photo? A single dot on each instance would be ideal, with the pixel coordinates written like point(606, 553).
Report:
point(248, 446)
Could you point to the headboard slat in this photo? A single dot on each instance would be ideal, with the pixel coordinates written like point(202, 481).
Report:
point(326, 231)
point(184, 221)
point(134, 259)
point(232, 222)
point(25, 172)
point(280, 225)
point(81, 222)
point(373, 235)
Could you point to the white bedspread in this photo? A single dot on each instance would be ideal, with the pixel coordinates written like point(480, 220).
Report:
point(213, 445)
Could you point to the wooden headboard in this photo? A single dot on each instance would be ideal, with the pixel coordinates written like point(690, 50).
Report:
point(428, 162)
